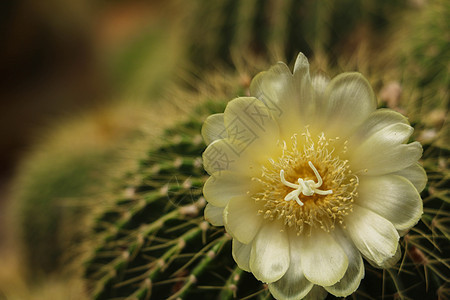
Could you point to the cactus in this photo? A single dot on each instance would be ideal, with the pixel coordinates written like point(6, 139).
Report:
point(148, 239)
point(57, 179)
point(153, 243)
point(423, 53)
point(282, 28)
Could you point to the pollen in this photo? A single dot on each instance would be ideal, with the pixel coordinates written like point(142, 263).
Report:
point(310, 172)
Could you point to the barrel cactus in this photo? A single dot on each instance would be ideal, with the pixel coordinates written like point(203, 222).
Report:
point(147, 236)
point(152, 242)
point(57, 178)
point(283, 27)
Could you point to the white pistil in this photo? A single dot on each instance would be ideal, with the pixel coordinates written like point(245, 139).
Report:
point(305, 187)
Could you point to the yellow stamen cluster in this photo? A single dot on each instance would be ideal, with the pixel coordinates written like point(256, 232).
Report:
point(319, 209)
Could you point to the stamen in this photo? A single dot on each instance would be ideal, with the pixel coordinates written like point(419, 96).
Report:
point(307, 188)
point(319, 179)
point(324, 208)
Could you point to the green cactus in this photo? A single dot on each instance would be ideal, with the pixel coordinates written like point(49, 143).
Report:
point(153, 243)
point(59, 177)
point(283, 28)
point(149, 239)
point(423, 52)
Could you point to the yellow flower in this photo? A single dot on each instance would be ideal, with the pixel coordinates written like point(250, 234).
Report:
point(308, 177)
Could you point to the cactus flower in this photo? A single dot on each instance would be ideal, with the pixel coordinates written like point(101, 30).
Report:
point(309, 178)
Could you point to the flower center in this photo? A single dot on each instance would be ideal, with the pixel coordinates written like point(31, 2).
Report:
point(305, 187)
point(311, 173)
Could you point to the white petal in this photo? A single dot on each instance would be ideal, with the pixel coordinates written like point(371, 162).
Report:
point(269, 258)
point(379, 119)
point(393, 197)
point(323, 260)
point(241, 254)
point(374, 236)
point(390, 262)
point(316, 293)
point(270, 86)
point(220, 188)
point(221, 156)
point(214, 215)
point(416, 174)
point(384, 152)
point(241, 218)
point(320, 83)
point(304, 98)
point(301, 64)
point(355, 271)
point(293, 285)
point(214, 128)
point(350, 100)
point(251, 127)
point(288, 96)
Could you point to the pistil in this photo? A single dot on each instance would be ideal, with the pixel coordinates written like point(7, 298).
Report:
point(305, 187)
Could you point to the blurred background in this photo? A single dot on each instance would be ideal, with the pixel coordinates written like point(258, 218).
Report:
point(61, 59)
point(80, 77)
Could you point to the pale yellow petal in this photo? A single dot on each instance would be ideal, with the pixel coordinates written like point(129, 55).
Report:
point(377, 120)
point(316, 293)
point(214, 128)
point(320, 82)
point(349, 102)
point(293, 285)
point(251, 127)
point(241, 254)
point(270, 86)
point(305, 96)
point(289, 96)
point(214, 215)
point(384, 151)
point(374, 236)
point(269, 257)
point(355, 271)
point(393, 197)
point(389, 263)
point(221, 156)
point(220, 188)
point(241, 218)
point(301, 65)
point(323, 260)
point(416, 174)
